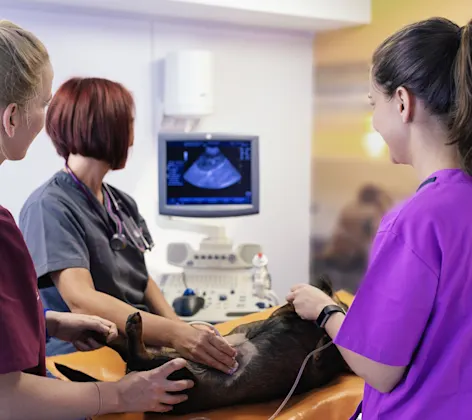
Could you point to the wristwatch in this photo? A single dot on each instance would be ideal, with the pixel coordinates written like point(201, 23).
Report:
point(326, 313)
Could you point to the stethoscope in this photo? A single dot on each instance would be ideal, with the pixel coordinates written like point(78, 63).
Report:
point(126, 226)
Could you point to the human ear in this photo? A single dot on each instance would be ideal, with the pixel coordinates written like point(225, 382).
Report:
point(405, 104)
point(10, 119)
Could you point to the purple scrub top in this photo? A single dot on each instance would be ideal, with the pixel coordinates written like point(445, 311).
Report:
point(414, 308)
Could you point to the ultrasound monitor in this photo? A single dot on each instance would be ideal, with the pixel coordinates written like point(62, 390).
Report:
point(208, 175)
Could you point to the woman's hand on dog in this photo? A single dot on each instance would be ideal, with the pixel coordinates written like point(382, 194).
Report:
point(146, 391)
point(205, 347)
point(84, 331)
point(308, 301)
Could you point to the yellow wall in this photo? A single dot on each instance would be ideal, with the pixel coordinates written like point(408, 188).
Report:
point(341, 66)
point(357, 44)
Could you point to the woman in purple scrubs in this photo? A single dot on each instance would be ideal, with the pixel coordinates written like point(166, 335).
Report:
point(408, 333)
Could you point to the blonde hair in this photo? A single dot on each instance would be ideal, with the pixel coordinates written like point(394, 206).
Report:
point(22, 57)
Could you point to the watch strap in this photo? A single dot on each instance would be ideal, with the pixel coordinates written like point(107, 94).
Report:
point(326, 314)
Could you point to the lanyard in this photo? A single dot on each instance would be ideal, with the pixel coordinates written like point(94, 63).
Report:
point(88, 195)
point(124, 224)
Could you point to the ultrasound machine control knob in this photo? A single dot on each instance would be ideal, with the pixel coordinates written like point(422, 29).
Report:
point(189, 292)
point(188, 304)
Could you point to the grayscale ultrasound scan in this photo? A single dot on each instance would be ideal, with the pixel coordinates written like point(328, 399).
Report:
point(212, 170)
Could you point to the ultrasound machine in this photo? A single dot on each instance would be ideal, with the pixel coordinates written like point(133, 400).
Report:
point(209, 175)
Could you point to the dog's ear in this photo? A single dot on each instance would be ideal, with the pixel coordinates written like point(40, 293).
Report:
point(324, 283)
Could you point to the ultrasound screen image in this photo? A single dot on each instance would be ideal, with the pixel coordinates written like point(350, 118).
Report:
point(212, 170)
point(208, 172)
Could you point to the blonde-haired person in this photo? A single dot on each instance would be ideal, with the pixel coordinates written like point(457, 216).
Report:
point(25, 393)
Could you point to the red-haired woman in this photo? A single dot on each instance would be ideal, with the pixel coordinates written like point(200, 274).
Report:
point(88, 239)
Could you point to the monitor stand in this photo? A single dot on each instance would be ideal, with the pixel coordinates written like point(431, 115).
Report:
point(215, 236)
point(215, 251)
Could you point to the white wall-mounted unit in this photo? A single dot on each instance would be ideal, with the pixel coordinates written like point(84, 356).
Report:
point(188, 85)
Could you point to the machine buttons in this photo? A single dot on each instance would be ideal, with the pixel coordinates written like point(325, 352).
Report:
point(231, 258)
point(223, 293)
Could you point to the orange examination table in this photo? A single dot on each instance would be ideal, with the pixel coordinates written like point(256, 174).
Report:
point(335, 402)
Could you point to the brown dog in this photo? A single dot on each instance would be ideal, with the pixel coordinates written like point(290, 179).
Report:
point(270, 354)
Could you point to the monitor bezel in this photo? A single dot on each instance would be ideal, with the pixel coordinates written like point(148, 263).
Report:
point(220, 210)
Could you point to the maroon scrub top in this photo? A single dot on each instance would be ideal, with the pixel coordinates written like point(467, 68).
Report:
point(22, 323)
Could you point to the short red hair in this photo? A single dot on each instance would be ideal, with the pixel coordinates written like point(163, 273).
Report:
point(94, 118)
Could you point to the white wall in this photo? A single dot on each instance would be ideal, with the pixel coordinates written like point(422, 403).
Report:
point(263, 86)
point(298, 15)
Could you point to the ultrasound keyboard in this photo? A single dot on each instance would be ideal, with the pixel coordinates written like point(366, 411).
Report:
point(228, 295)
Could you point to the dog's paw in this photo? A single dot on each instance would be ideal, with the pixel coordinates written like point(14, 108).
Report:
point(134, 324)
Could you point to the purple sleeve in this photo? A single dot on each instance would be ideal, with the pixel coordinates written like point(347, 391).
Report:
point(391, 309)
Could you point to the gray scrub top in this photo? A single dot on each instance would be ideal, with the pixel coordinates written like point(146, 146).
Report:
point(62, 229)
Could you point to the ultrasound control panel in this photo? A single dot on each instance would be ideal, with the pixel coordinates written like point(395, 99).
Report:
point(227, 295)
point(215, 260)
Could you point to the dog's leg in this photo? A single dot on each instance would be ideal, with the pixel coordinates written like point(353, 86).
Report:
point(141, 359)
point(120, 345)
point(134, 331)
